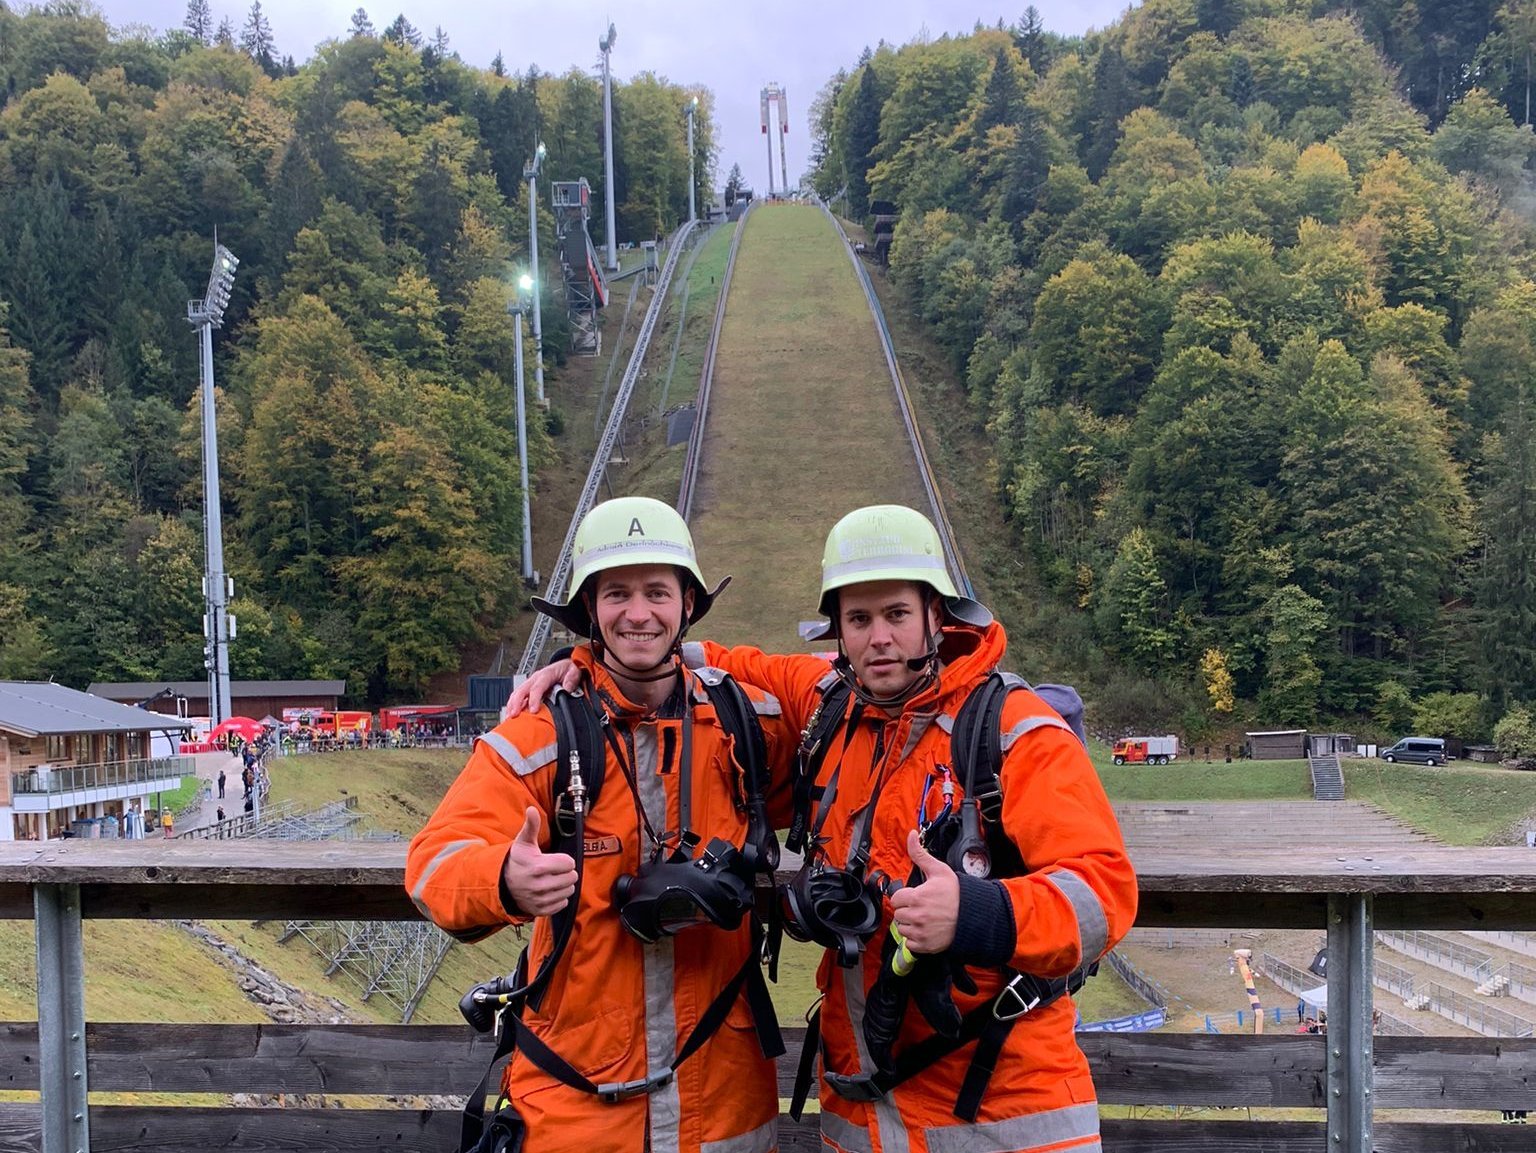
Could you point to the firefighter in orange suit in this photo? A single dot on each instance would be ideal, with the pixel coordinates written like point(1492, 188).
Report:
point(955, 1031)
point(619, 1012)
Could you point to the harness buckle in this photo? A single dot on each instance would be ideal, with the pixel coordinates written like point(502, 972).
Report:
point(855, 1086)
point(1014, 1001)
point(612, 1092)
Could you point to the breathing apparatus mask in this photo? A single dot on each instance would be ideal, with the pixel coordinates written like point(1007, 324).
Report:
point(835, 908)
point(667, 896)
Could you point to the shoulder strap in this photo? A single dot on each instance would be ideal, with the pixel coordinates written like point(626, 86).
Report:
point(580, 759)
point(738, 717)
point(978, 743)
point(815, 743)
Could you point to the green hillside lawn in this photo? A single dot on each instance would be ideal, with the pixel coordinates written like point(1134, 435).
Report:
point(1462, 804)
point(803, 425)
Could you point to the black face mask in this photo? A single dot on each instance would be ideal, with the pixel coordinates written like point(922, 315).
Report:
point(666, 897)
point(832, 907)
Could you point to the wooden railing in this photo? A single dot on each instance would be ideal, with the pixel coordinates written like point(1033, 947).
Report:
point(1355, 1081)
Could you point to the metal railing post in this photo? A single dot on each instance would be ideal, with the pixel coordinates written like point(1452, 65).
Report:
point(61, 1019)
point(1351, 1063)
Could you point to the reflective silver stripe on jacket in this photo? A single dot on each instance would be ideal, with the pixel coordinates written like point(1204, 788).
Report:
point(893, 1130)
point(1092, 925)
point(853, 1138)
point(767, 707)
point(760, 1140)
point(443, 854)
point(658, 961)
point(1029, 725)
point(518, 763)
point(1031, 1131)
point(693, 654)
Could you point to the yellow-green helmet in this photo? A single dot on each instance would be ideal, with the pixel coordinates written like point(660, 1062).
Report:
point(630, 530)
point(889, 542)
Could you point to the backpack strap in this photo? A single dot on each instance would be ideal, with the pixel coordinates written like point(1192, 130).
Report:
point(815, 743)
point(738, 717)
point(580, 759)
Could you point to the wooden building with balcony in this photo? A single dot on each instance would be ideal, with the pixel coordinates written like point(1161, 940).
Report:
point(68, 758)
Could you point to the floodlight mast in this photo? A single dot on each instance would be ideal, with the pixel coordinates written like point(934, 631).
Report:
point(218, 626)
point(531, 174)
point(606, 46)
point(693, 106)
point(519, 303)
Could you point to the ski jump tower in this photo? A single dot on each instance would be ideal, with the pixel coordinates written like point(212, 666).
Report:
point(774, 96)
point(585, 288)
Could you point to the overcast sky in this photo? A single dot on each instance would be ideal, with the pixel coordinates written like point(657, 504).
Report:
point(734, 49)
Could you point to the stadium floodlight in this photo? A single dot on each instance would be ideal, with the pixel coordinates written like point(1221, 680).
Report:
point(693, 106)
point(531, 175)
point(517, 306)
point(218, 626)
point(606, 46)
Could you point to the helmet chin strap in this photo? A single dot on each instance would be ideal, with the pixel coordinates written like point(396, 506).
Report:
point(927, 665)
point(660, 671)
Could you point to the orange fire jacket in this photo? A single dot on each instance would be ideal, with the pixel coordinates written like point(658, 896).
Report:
point(1076, 900)
point(616, 1009)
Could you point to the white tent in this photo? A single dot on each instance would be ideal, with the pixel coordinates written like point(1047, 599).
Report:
point(1316, 998)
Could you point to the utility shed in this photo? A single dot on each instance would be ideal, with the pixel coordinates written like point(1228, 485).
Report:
point(1277, 745)
point(1332, 744)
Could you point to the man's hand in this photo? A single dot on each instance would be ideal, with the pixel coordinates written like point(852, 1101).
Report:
point(540, 883)
point(926, 914)
point(526, 697)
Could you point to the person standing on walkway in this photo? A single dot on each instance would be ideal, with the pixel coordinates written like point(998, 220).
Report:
point(221, 784)
point(656, 1031)
point(167, 822)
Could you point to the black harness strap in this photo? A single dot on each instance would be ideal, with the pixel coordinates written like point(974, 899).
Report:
point(976, 754)
point(581, 729)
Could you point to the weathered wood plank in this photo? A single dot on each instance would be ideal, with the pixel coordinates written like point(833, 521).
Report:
point(1435, 887)
point(141, 1129)
point(1200, 1069)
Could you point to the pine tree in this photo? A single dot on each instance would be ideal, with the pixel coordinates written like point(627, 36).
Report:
point(225, 36)
point(256, 38)
point(199, 21)
point(1507, 582)
point(361, 25)
point(862, 139)
point(1030, 39)
point(440, 42)
point(403, 33)
point(498, 65)
point(733, 184)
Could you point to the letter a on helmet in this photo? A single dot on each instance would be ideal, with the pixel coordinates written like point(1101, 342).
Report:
point(889, 542)
point(631, 530)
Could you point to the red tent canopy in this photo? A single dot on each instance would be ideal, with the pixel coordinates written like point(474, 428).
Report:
point(245, 726)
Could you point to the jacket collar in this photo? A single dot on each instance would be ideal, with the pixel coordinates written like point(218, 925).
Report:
point(604, 683)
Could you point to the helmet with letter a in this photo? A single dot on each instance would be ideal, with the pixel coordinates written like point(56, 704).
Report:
point(629, 530)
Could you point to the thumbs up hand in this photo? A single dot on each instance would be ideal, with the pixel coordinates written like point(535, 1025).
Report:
point(540, 883)
point(925, 914)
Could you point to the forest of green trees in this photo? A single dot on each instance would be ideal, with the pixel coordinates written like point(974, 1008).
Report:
point(374, 195)
point(1246, 293)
